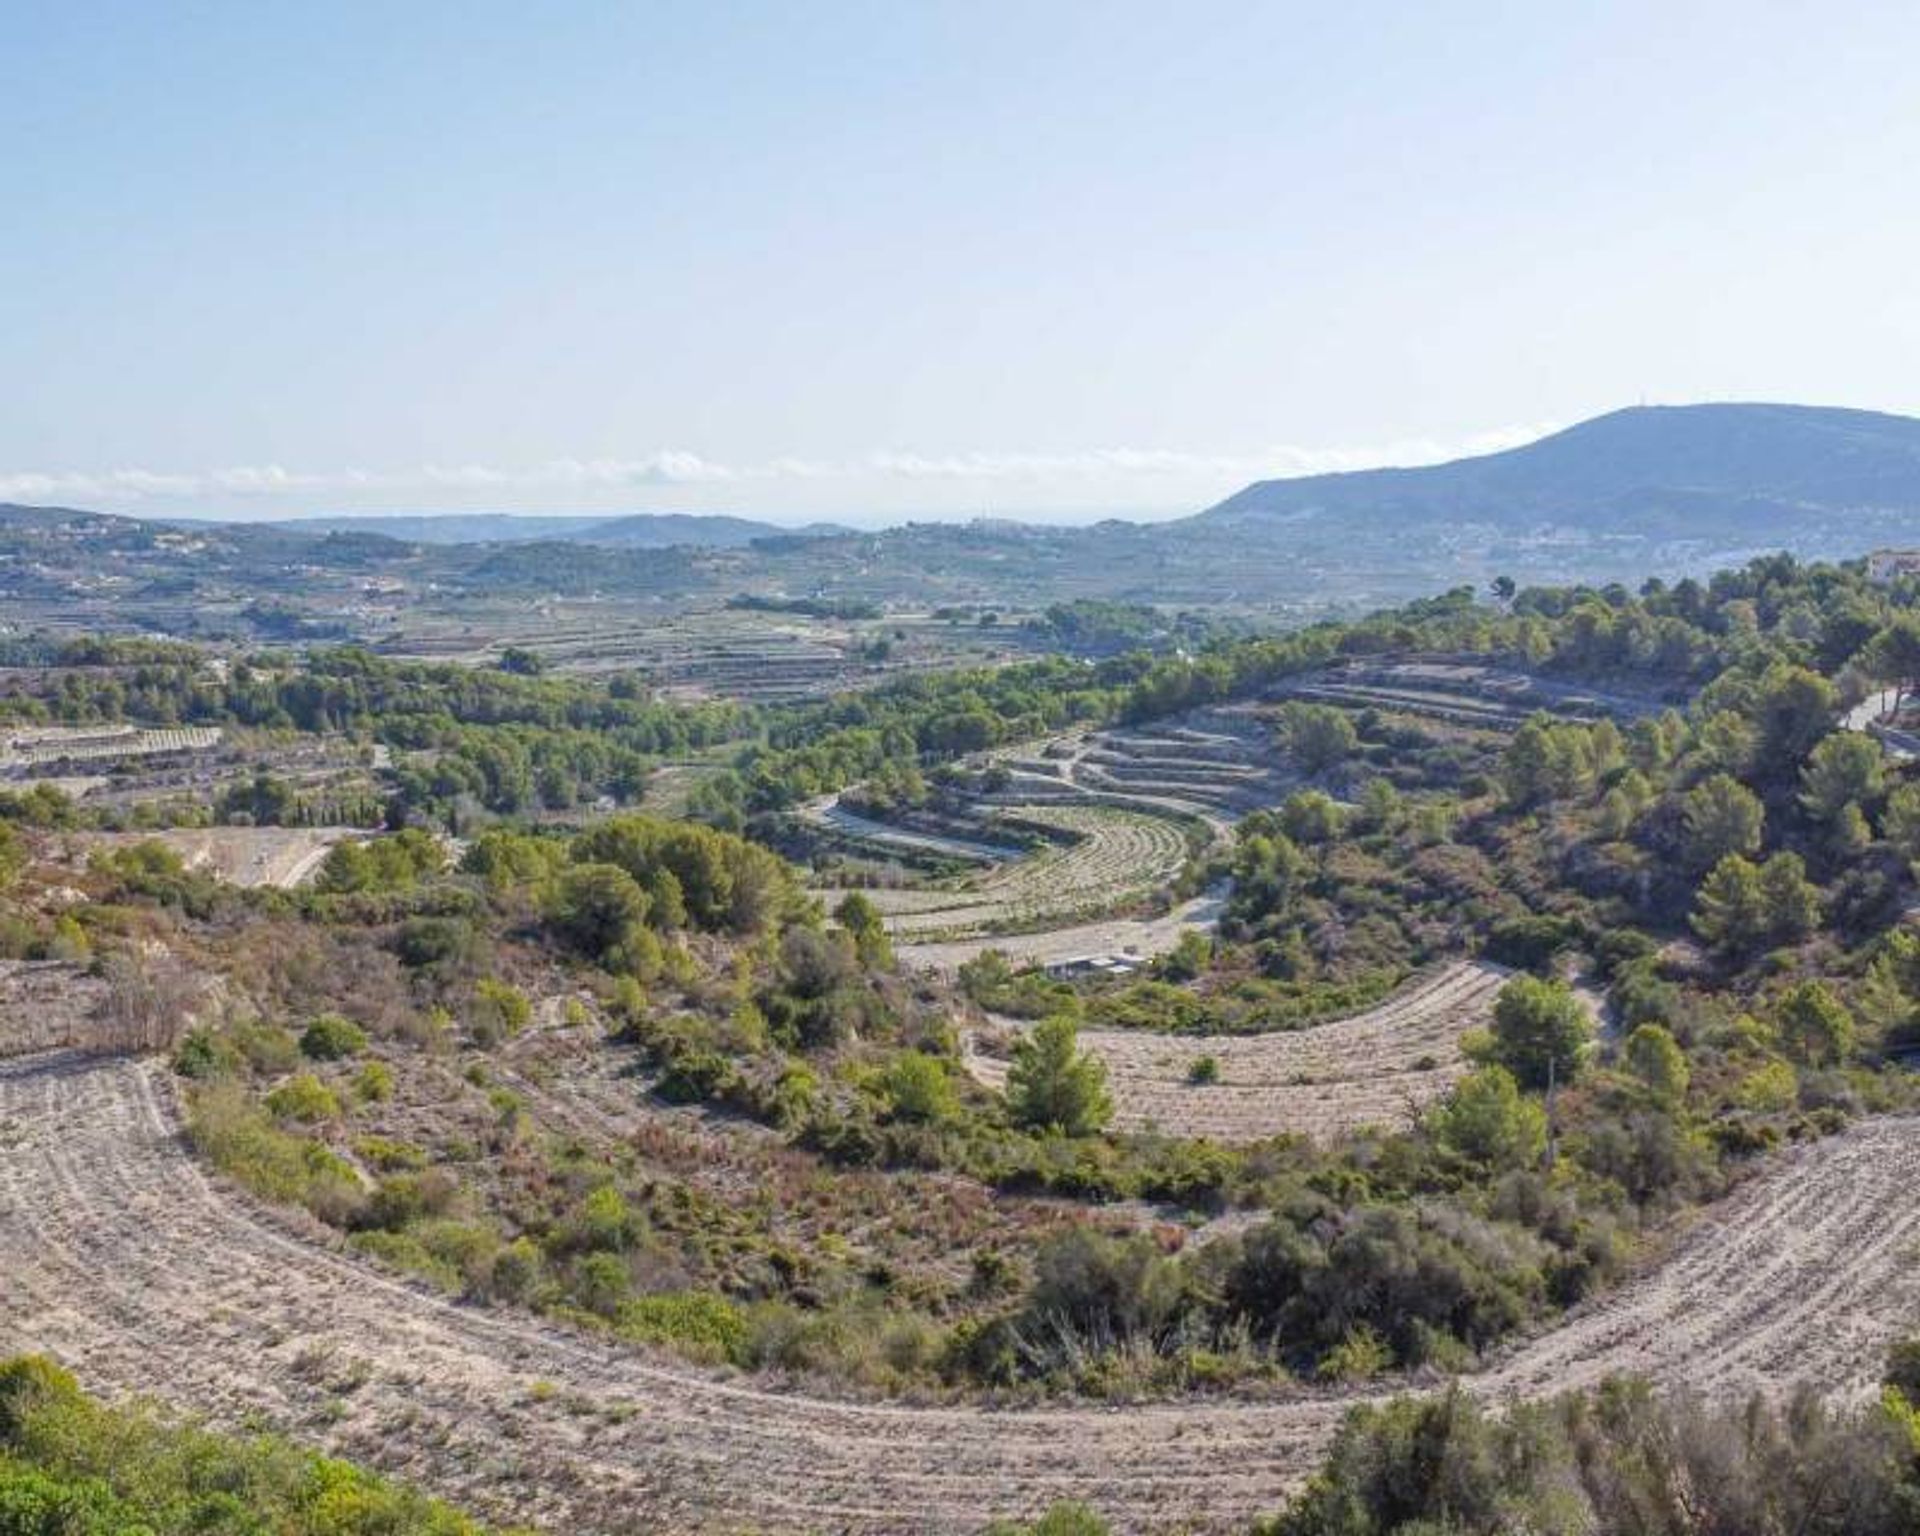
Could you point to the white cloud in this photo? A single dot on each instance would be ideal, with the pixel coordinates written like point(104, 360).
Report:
point(1113, 469)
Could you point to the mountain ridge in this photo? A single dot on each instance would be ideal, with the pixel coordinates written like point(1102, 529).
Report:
point(1716, 461)
point(627, 530)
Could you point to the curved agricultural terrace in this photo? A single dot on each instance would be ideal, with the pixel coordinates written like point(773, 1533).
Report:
point(1380, 1067)
point(1124, 801)
point(1107, 857)
point(123, 1260)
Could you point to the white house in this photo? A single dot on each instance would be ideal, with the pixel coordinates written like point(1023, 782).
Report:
point(1885, 566)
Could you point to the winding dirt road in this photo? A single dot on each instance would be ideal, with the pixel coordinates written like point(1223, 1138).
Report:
point(120, 1257)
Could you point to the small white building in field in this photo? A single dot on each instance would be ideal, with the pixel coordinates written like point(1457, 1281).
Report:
point(1886, 566)
point(1091, 965)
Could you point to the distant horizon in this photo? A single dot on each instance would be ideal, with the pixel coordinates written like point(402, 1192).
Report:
point(260, 496)
point(924, 262)
point(273, 493)
point(862, 522)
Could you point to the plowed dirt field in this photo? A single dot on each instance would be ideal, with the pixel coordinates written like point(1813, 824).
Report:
point(119, 1256)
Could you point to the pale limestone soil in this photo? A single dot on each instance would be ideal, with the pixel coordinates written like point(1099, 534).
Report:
point(120, 1257)
point(286, 857)
point(1118, 856)
point(1380, 1067)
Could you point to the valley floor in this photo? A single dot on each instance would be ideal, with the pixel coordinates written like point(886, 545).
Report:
point(121, 1258)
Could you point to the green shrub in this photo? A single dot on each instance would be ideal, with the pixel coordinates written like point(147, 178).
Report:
point(389, 1156)
point(499, 1011)
point(1360, 1354)
point(919, 1089)
point(374, 1082)
point(517, 1270)
point(268, 1049)
point(1768, 1089)
point(1061, 1520)
point(602, 1284)
point(69, 1467)
point(305, 1098)
point(200, 1056)
point(332, 1038)
point(405, 1251)
point(239, 1139)
point(700, 1323)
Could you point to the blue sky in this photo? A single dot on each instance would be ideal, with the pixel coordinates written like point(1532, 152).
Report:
point(919, 259)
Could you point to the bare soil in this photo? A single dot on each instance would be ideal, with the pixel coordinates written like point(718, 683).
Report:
point(279, 856)
point(123, 1259)
point(1139, 938)
point(1117, 857)
point(1380, 1067)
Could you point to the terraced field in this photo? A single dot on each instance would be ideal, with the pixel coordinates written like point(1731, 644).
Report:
point(1462, 692)
point(1128, 797)
point(121, 1258)
point(1217, 763)
point(1380, 1067)
point(1135, 937)
point(702, 651)
point(39, 746)
point(1118, 856)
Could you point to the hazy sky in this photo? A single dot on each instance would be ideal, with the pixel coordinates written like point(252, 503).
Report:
point(917, 258)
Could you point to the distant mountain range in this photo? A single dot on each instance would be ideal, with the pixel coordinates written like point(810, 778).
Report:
point(634, 530)
point(1662, 471)
point(1747, 472)
point(1666, 491)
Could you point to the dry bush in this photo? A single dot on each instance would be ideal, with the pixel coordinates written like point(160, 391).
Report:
point(151, 1001)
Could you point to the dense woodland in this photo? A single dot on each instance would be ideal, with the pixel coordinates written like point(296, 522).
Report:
point(1728, 868)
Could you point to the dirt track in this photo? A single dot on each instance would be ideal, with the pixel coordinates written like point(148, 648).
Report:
point(119, 1256)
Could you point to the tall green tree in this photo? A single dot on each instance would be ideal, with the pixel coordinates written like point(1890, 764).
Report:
point(1794, 708)
point(1487, 1120)
point(1319, 736)
point(1721, 816)
point(1655, 1057)
point(1816, 1026)
point(861, 918)
point(1540, 1031)
point(1845, 769)
point(1740, 906)
point(596, 907)
point(1054, 1085)
point(1893, 657)
point(1900, 822)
